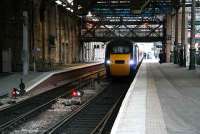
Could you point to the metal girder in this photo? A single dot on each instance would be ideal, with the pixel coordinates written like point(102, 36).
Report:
point(125, 31)
point(153, 30)
point(116, 19)
point(114, 5)
point(135, 39)
point(126, 22)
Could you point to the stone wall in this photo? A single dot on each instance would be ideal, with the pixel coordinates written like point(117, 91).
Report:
point(53, 32)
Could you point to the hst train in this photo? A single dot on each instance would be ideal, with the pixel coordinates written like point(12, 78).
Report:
point(122, 58)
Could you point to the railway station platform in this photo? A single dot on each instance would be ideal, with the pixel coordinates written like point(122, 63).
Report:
point(163, 99)
point(12, 80)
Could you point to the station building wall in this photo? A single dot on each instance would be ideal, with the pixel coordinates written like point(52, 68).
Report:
point(53, 34)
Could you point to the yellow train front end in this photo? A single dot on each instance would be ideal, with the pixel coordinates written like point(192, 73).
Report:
point(119, 64)
point(119, 59)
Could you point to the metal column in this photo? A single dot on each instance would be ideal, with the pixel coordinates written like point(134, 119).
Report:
point(176, 39)
point(192, 36)
point(183, 46)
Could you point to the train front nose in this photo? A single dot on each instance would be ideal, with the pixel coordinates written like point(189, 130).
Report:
point(120, 65)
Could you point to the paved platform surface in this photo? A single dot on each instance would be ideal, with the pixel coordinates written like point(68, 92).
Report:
point(13, 80)
point(9, 81)
point(163, 99)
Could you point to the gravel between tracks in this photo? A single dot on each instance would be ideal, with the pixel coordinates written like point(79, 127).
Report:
point(55, 113)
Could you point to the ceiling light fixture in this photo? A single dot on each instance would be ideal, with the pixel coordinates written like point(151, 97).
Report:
point(58, 2)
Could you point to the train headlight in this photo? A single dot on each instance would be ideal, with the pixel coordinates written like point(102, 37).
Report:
point(108, 62)
point(131, 62)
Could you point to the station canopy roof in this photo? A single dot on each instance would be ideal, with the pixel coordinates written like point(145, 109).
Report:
point(127, 8)
point(136, 19)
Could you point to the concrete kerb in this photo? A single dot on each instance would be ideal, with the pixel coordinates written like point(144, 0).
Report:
point(59, 72)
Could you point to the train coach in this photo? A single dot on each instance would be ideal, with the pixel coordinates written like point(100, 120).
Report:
point(122, 58)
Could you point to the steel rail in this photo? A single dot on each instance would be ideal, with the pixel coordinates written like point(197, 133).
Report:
point(101, 125)
point(5, 126)
point(91, 113)
point(67, 118)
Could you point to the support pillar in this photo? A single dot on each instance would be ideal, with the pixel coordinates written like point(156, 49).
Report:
point(57, 25)
point(73, 43)
point(70, 42)
point(176, 39)
point(172, 37)
point(187, 42)
point(25, 51)
point(192, 36)
point(77, 44)
point(183, 33)
point(169, 38)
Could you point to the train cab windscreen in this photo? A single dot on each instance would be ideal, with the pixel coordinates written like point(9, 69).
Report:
point(120, 49)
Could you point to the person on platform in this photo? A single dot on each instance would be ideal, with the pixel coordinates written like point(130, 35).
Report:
point(161, 57)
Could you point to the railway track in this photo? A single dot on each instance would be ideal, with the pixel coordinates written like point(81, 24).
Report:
point(93, 116)
point(12, 124)
point(19, 113)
